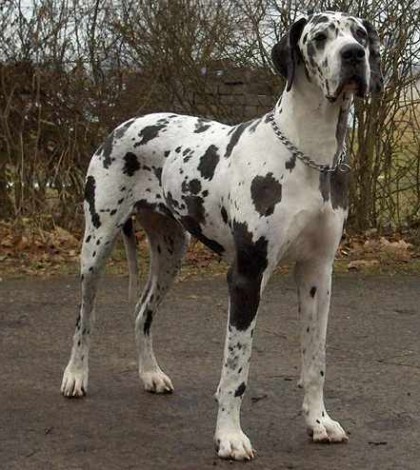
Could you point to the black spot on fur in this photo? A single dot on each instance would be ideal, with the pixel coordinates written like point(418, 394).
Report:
point(311, 52)
point(149, 133)
point(195, 208)
point(313, 291)
point(333, 28)
point(252, 128)
point(148, 322)
point(201, 125)
point(208, 162)
point(224, 214)
point(232, 362)
point(247, 247)
point(172, 203)
point(335, 186)
point(245, 276)
point(88, 238)
point(90, 199)
point(320, 45)
point(193, 187)
point(291, 163)
point(106, 148)
point(317, 19)
point(121, 130)
point(236, 133)
point(158, 174)
point(240, 390)
point(266, 192)
point(194, 228)
point(131, 164)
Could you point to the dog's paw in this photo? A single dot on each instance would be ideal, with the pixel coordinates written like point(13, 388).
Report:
point(156, 382)
point(75, 381)
point(234, 446)
point(326, 430)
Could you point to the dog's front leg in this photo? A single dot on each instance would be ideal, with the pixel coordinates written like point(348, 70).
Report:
point(244, 279)
point(313, 280)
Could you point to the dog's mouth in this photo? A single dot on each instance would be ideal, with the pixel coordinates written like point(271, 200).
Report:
point(354, 84)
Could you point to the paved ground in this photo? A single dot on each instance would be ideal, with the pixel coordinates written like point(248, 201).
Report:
point(373, 380)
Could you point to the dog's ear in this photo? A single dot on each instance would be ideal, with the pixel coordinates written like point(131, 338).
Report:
point(285, 54)
point(376, 85)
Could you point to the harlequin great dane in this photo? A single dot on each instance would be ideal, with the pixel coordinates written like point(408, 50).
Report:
point(263, 191)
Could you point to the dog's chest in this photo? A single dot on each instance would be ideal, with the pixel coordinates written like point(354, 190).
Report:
point(313, 224)
point(291, 209)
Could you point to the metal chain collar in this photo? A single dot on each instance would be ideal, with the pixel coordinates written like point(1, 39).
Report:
point(340, 164)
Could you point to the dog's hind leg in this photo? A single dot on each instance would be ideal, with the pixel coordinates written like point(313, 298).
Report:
point(100, 232)
point(313, 280)
point(168, 243)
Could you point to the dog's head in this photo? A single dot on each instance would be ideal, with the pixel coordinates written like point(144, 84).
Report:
point(339, 53)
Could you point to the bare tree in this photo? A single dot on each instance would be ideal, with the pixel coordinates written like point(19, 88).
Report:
point(70, 70)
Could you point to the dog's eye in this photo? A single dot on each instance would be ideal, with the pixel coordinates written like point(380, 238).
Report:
point(320, 37)
point(361, 33)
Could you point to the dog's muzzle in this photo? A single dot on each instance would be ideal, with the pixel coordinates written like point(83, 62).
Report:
point(353, 71)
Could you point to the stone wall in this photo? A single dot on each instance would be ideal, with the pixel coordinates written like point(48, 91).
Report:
point(236, 94)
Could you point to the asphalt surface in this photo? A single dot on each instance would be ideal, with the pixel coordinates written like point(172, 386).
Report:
point(372, 387)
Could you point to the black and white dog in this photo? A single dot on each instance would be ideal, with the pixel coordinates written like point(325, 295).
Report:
point(257, 193)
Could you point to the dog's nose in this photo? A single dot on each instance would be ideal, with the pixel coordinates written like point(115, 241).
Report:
point(352, 54)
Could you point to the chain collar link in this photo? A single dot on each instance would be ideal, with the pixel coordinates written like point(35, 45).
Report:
point(340, 164)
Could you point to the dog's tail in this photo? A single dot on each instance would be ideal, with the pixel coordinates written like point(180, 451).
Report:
point(130, 245)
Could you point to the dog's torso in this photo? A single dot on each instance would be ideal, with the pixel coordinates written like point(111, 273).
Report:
point(218, 180)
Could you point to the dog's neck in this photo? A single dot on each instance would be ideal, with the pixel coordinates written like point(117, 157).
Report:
point(316, 126)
